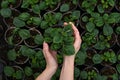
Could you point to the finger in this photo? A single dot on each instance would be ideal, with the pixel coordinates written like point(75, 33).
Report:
point(65, 23)
point(46, 51)
point(54, 54)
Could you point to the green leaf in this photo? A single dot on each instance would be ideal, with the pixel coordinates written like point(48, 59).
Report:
point(76, 72)
point(11, 55)
point(36, 9)
point(55, 46)
point(111, 3)
point(8, 71)
point(83, 75)
point(85, 18)
point(38, 39)
point(44, 25)
point(118, 30)
point(36, 20)
point(76, 14)
point(90, 26)
point(118, 67)
point(19, 74)
point(28, 71)
point(100, 8)
point(4, 4)
point(97, 59)
point(107, 30)
point(18, 23)
point(68, 49)
point(64, 7)
point(58, 39)
point(42, 5)
point(24, 16)
point(58, 16)
point(6, 12)
point(24, 34)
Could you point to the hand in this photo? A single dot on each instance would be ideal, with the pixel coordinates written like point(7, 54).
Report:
point(50, 57)
point(78, 40)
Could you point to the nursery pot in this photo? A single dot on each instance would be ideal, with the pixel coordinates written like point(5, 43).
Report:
point(83, 24)
point(16, 68)
point(90, 53)
point(117, 5)
point(30, 41)
point(1, 31)
point(16, 38)
point(108, 71)
point(16, 5)
point(54, 8)
point(67, 14)
point(71, 5)
point(106, 63)
point(118, 40)
point(9, 21)
point(20, 59)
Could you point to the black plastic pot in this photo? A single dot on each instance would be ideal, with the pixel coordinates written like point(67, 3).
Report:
point(9, 21)
point(1, 31)
point(16, 39)
point(30, 41)
point(16, 68)
point(20, 59)
point(104, 63)
point(90, 53)
point(118, 40)
point(16, 5)
point(108, 71)
point(117, 5)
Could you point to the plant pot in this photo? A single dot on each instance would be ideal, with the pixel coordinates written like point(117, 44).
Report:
point(1, 31)
point(118, 40)
point(90, 53)
point(30, 41)
point(108, 71)
point(31, 25)
point(20, 59)
point(16, 38)
point(9, 21)
point(67, 14)
point(16, 68)
point(80, 5)
point(106, 10)
point(16, 5)
point(71, 5)
point(55, 7)
point(106, 63)
point(83, 24)
point(89, 69)
point(117, 5)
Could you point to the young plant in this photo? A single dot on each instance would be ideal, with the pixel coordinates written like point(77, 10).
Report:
point(118, 30)
point(50, 19)
point(103, 42)
point(28, 71)
point(61, 39)
point(97, 58)
point(66, 6)
point(72, 16)
point(88, 5)
point(109, 56)
point(90, 38)
point(12, 73)
point(89, 75)
point(105, 4)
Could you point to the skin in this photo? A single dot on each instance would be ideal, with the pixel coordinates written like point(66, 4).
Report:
point(67, 72)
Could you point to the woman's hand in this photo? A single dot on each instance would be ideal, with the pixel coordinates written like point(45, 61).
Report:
point(77, 37)
point(50, 57)
point(51, 60)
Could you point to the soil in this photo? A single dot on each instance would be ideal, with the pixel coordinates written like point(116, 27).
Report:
point(30, 41)
point(118, 40)
point(90, 54)
point(108, 71)
point(30, 78)
point(112, 40)
point(16, 38)
point(1, 31)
